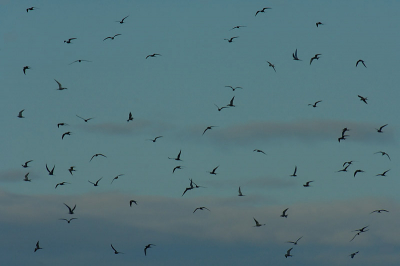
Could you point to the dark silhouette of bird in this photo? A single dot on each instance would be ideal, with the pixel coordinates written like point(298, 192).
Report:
point(122, 20)
point(384, 173)
point(71, 211)
point(20, 114)
point(295, 242)
point(383, 153)
point(96, 183)
point(315, 104)
point(60, 87)
point(62, 124)
point(176, 167)
point(37, 247)
point(379, 130)
point(154, 140)
point(79, 61)
point(262, 10)
point(257, 223)
point(25, 165)
point(66, 133)
point(288, 253)
point(115, 251)
point(353, 254)
point(26, 178)
point(213, 171)
point(231, 39)
point(187, 189)
point(132, 201)
point(52, 170)
point(315, 57)
point(240, 193)
point(344, 130)
point(200, 208)
point(69, 40)
point(61, 184)
point(284, 213)
point(318, 23)
point(233, 88)
point(362, 230)
point(97, 154)
point(271, 65)
point(358, 171)
point(307, 184)
point(25, 68)
point(68, 221)
point(295, 171)
point(111, 38)
point(146, 247)
point(195, 185)
point(115, 178)
point(219, 109)
point(344, 169)
point(349, 163)
point(71, 169)
point(152, 55)
point(260, 151)
point(295, 56)
point(130, 118)
point(364, 99)
point(209, 127)
point(237, 27)
point(361, 61)
point(231, 102)
point(85, 119)
point(380, 211)
point(178, 158)
point(31, 8)
point(343, 137)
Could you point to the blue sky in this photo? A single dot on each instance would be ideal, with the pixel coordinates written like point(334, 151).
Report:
point(174, 96)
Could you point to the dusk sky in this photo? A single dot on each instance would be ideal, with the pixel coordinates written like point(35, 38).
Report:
point(176, 94)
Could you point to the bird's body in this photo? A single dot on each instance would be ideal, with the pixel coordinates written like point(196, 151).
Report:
point(315, 57)
point(116, 177)
point(111, 37)
point(284, 215)
point(71, 211)
point(295, 171)
point(52, 170)
point(68, 220)
point(152, 55)
point(154, 140)
point(295, 242)
point(66, 133)
point(219, 109)
point(85, 119)
point(357, 171)
point(209, 127)
point(257, 223)
point(262, 10)
point(213, 171)
point(295, 56)
point(115, 251)
point(95, 183)
point(200, 208)
point(132, 201)
point(20, 114)
point(71, 169)
point(231, 39)
point(383, 153)
point(178, 158)
point(79, 61)
point(25, 68)
point(122, 20)
point(231, 102)
point(364, 99)
point(31, 8)
point(379, 130)
point(69, 40)
point(97, 154)
point(130, 117)
point(344, 169)
point(307, 184)
point(238, 27)
point(315, 104)
point(288, 253)
point(61, 184)
point(318, 23)
point(176, 167)
point(233, 88)
point(62, 124)
point(353, 254)
point(271, 65)
point(37, 247)
point(25, 165)
point(26, 178)
point(260, 151)
point(240, 193)
point(60, 87)
point(384, 173)
point(380, 211)
point(360, 61)
point(146, 247)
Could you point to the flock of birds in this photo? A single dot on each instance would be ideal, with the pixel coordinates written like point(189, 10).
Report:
point(192, 185)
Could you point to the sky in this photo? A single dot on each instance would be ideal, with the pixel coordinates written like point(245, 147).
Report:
point(176, 95)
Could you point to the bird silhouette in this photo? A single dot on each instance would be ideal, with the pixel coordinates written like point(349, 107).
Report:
point(97, 154)
point(69, 40)
point(358, 171)
point(362, 230)
point(209, 127)
point(360, 61)
point(295, 56)
point(112, 37)
point(307, 184)
point(260, 151)
point(60, 87)
point(379, 130)
point(178, 158)
point(152, 55)
point(344, 169)
point(25, 165)
point(66, 133)
point(353, 254)
point(383, 153)
point(26, 178)
point(130, 118)
point(262, 10)
point(146, 247)
point(71, 169)
point(20, 114)
point(62, 124)
point(61, 184)
point(384, 173)
point(85, 119)
point(37, 247)
point(240, 193)
point(219, 109)
point(31, 8)
point(52, 170)
point(315, 57)
point(154, 140)
point(284, 213)
point(71, 211)
point(295, 171)
point(95, 183)
point(364, 99)
point(315, 104)
point(25, 68)
point(231, 39)
point(318, 23)
point(68, 220)
point(115, 251)
point(271, 65)
point(257, 223)
point(132, 201)
point(176, 167)
point(116, 177)
point(295, 242)
point(379, 211)
point(213, 171)
point(200, 208)
point(237, 27)
point(288, 253)
point(233, 88)
point(79, 61)
point(231, 102)
point(122, 20)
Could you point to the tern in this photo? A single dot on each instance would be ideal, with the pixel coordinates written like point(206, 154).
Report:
point(25, 68)
point(284, 213)
point(231, 39)
point(26, 178)
point(233, 88)
point(271, 65)
point(349, 163)
point(358, 171)
point(344, 169)
point(71, 211)
point(200, 208)
point(79, 61)
point(384, 173)
point(262, 10)
point(152, 55)
point(307, 184)
point(62, 124)
point(25, 165)
point(122, 20)
point(132, 201)
point(288, 253)
point(97, 154)
point(361, 61)
point(61, 184)
point(213, 171)
point(219, 109)
point(318, 23)
point(154, 140)
point(115, 251)
point(37, 247)
point(146, 247)
point(85, 119)
point(379, 130)
point(315, 104)
point(115, 178)
point(96, 183)
point(111, 38)
point(68, 221)
point(380, 211)
point(178, 158)
point(316, 56)
point(353, 254)
point(60, 87)
point(52, 170)
point(176, 167)
point(260, 151)
point(31, 8)
point(231, 102)
point(69, 40)
point(71, 169)
point(383, 153)
point(295, 171)
point(240, 193)
point(130, 118)
point(295, 242)
point(66, 133)
point(209, 127)
point(295, 56)
point(364, 99)
point(237, 27)
point(257, 223)
point(20, 114)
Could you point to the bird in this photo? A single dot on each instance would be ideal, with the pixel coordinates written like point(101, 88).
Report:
point(152, 55)
point(213, 171)
point(219, 109)
point(96, 183)
point(71, 169)
point(379, 211)
point(295, 56)
point(61, 184)
point(288, 253)
point(37, 247)
point(315, 104)
point(318, 23)
point(130, 118)
point(260, 151)
point(284, 213)
point(343, 137)
point(176, 167)
point(344, 169)
point(132, 201)
point(307, 184)
point(154, 140)
point(115, 251)
point(178, 158)
point(240, 193)
point(69, 40)
point(349, 163)
point(112, 38)
point(200, 208)
point(79, 61)
point(122, 20)
point(31, 8)
point(193, 183)
point(62, 124)
point(20, 114)
point(383, 153)
point(358, 171)
point(97, 154)
point(384, 173)
point(66, 133)
point(25, 68)
point(231, 102)
point(52, 170)
point(146, 247)
point(257, 223)
point(237, 27)
point(379, 130)
point(362, 230)
point(271, 65)
point(231, 39)
point(295, 171)
point(60, 87)
point(209, 127)
point(353, 254)
point(295, 242)
point(71, 211)
point(187, 189)
point(360, 61)
point(25, 165)
point(233, 88)
point(364, 99)
point(262, 10)
point(85, 119)
point(316, 56)
point(115, 178)
point(68, 221)
point(26, 178)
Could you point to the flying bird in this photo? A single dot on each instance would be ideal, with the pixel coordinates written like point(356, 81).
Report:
point(257, 223)
point(231, 102)
point(295, 171)
point(307, 184)
point(284, 213)
point(112, 38)
point(20, 114)
point(85, 119)
point(152, 55)
point(115, 178)
point(154, 140)
point(316, 56)
point(178, 158)
point(31, 8)
point(209, 127)
point(262, 10)
point(384, 173)
point(96, 183)
point(132, 201)
point(358, 171)
point(200, 208)
point(240, 193)
point(233, 88)
point(97, 154)
point(25, 165)
point(115, 251)
point(364, 99)
point(237, 27)
point(60, 87)
point(66, 133)
point(69, 40)
point(295, 56)
point(71, 169)
point(231, 39)
point(271, 65)
point(344, 169)
point(71, 211)
point(37, 247)
point(176, 167)
point(379, 211)
point(26, 178)
point(79, 61)
point(260, 151)
point(68, 221)
point(295, 242)
point(219, 109)
point(52, 170)
point(379, 130)
point(315, 104)
point(383, 153)
point(343, 137)
point(288, 253)
point(213, 171)
point(353, 254)
point(362, 230)
point(130, 118)
point(318, 23)
point(61, 184)
point(122, 20)
point(349, 163)
point(187, 189)
point(361, 61)
point(62, 124)
point(25, 68)
point(146, 247)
